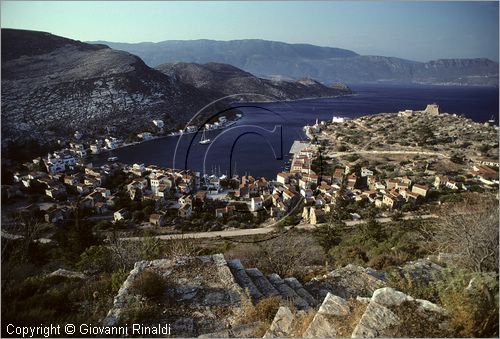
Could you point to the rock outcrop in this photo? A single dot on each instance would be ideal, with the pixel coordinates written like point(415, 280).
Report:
point(282, 325)
point(67, 274)
point(392, 313)
point(347, 282)
point(206, 296)
point(323, 323)
point(201, 294)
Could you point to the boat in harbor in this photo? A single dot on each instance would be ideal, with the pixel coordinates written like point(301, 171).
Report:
point(112, 158)
point(204, 140)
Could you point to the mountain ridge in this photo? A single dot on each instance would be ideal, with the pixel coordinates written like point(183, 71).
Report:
point(268, 59)
point(228, 79)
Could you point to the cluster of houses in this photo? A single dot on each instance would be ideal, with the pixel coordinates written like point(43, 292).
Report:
point(320, 194)
point(159, 184)
point(70, 181)
point(221, 122)
point(80, 149)
point(262, 196)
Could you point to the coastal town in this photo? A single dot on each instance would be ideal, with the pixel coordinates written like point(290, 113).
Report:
point(243, 169)
point(336, 166)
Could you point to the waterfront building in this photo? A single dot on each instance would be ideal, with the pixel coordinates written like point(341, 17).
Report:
point(112, 142)
point(145, 136)
point(158, 123)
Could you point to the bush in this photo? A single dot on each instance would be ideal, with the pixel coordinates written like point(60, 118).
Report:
point(264, 310)
point(470, 298)
point(149, 284)
point(103, 225)
point(150, 248)
point(95, 259)
point(117, 279)
point(233, 224)
point(383, 261)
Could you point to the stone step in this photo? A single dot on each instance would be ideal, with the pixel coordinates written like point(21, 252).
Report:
point(287, 292)
point(301, 291)
point(259, 279)
point(242, 278)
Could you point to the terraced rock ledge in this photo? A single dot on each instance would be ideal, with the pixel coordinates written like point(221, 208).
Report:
point(207, 296)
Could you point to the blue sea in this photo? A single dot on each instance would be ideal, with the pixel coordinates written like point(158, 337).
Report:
point(254, 150)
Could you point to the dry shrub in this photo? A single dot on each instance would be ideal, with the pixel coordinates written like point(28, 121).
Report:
point(260, 330)
point(264, 310)
point(249, 254)
point(262, 313)
point(180, 248)
point(383, 261)
point(468, 232)
point(309, 272)
point(417, 323)
point(345, 325)
point(302, 322)
point(472, 301)
point(149, 284)
point(285, 255)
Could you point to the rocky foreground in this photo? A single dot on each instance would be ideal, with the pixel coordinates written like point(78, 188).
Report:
point(209, 296)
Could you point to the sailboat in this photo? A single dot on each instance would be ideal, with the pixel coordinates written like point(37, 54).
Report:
point(204, 140)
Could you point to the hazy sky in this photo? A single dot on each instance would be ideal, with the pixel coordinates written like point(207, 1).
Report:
point(412, 30)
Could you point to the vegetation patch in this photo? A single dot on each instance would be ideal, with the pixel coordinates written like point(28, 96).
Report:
point(149, 284)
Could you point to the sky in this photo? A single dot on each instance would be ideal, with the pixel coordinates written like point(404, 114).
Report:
point(418, 31)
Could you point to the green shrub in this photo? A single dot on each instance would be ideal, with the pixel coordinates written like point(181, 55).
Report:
point(472, 300)
point(95, 259)
point(150, 248)
point(117, 279)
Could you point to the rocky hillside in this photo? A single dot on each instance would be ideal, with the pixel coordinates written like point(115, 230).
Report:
point(212, 297)
point(295, 61)
point(227, 80)
point(52, 86)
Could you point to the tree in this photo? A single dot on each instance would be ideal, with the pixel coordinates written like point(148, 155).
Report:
point(95, 259)
point(80, 235)
point(469, 233)
point(330, 234)
point(138, 216)
point(288, 252)
point(372, 229)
